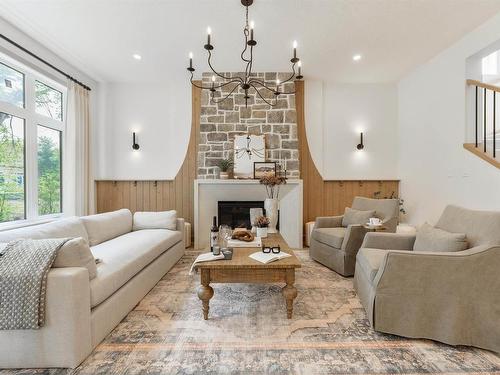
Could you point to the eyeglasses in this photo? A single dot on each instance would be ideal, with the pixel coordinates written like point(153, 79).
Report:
point(269, 249)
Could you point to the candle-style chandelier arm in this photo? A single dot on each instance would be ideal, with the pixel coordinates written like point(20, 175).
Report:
point(212, 87)
point(224, 98)
point(260, 83)
point(260, 95)
point(215, 72)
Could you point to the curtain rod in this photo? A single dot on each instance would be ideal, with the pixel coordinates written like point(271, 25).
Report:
point(45, 62)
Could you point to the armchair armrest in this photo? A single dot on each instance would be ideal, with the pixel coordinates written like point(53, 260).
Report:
point(353, 239)
point(328, 222)
point(389, 241)
point(447, 296)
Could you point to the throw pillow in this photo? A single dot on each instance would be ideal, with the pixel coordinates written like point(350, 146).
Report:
point(155, 220)
point(76, 253)
point(352, 216)
point(433, 239)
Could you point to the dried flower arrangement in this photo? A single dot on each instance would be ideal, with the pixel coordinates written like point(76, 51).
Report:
point(261, 222)
point(272, 184)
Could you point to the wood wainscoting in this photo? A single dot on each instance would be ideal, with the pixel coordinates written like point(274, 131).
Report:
point(328, 197)
point(158, 195)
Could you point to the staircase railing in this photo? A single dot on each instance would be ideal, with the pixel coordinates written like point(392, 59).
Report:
point(478, 148)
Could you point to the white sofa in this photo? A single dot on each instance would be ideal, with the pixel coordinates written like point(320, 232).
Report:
point(80, 312)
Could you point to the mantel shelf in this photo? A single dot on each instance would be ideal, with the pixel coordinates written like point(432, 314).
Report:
point(238, 182)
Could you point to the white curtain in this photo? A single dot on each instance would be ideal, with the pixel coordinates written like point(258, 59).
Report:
point(78, 194)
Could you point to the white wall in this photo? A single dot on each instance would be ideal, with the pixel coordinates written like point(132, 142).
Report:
point(435, 170)
point(160, 114)
point(335, 116)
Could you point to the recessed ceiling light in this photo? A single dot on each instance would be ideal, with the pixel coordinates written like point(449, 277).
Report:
point(137, 56)
point(356, 57)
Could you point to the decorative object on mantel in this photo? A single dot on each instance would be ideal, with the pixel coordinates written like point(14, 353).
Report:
point(254, 214)
point(248, 149)
point(262, 223)
point(248, 81)
point(263, 169)
point(225, 166)
point(272, 185)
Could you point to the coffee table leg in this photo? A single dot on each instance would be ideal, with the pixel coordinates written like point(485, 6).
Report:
point(289, 292)
point(205, 291)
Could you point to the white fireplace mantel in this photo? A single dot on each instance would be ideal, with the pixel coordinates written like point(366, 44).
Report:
point(208, 192)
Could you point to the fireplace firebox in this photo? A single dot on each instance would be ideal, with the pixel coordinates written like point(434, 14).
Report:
point(237, 213)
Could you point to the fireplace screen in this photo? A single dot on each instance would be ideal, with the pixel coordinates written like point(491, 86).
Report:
point(237, 213)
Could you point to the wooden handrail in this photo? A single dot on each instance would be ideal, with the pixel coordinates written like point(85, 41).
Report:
point(473, 82)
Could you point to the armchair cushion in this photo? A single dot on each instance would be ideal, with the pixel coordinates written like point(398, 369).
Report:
point(352, 216)
point(369, 260)
point(433, 239)
point(330, 236)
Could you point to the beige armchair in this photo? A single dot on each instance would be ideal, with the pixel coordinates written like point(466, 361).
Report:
point(336, 246)
point(452, 297)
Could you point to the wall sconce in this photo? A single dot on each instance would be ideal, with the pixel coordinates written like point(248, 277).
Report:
point(360, 145)
point(135, 145)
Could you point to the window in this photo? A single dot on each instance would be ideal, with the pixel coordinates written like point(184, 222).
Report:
point(12, 202)
point(11, 86)
point(31, 143)
point(48, 101)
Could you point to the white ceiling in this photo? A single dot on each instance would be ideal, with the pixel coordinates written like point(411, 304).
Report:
point(394, 36)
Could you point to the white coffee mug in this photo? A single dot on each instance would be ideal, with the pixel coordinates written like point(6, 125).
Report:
point(375, 221)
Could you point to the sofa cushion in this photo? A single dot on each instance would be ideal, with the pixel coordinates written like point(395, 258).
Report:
point(103, 227)
point(370, 260)
point(125, 256)
point(71, 227)
point(433, 239)
point(352, 216)
point(330, 236)
point(76, 253)
point(155, 220)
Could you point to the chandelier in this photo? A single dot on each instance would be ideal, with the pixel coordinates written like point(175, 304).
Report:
point(248, 81)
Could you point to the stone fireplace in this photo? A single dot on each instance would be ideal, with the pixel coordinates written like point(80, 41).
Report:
point(219, 123)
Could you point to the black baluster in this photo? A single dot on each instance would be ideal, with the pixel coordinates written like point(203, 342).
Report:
point(484, 125)
point(476, 116)
point(494, 125)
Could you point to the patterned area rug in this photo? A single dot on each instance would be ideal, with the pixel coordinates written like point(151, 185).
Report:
point(248, 333)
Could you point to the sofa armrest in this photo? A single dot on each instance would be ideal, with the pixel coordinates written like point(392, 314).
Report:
point(328, 222)
point(389, 241)
point(65, 339)
point(180, 225)
point(353, 238)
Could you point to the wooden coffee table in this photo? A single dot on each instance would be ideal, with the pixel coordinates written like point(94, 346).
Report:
point(243, 269)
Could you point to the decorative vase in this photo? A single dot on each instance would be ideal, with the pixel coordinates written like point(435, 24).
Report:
point(254, 214)
point(271, 207)
point(224, 175)
point(261, 232)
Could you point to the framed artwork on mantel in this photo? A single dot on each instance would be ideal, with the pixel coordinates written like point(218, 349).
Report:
point(264, 169)
point(248, 149)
